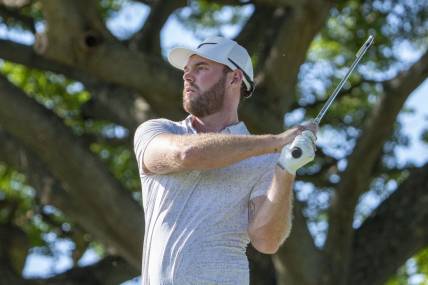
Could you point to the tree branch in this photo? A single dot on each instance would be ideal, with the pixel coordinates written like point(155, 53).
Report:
point(114, 103)
point(14, 247)
point(278, 76)
point(147, 39)
point(49, 190)
point(273, 3)
point(356, 178)
point(319, 173)
point(25, 55)
point(125, 141)
point(258, 34)
point(317, 104)
point(83, 174)
point(13, 14)
point(89, 46)
point(108, 271)
point(396, 231)
point(117, 104)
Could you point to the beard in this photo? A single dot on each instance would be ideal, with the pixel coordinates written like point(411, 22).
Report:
point(206, 103)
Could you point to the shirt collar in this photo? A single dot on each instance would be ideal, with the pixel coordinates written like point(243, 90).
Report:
point(236, 129)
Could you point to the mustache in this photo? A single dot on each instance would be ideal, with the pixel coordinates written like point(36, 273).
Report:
point(191, 85)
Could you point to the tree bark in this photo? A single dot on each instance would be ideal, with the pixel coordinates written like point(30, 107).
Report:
point(89, 46)
point(147, 39)
point(393, 233)
point(109, 271)
point(277, 78)
point(357, 176)
point(83, 174)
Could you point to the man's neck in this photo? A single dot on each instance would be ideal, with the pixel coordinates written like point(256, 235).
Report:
point(214, 123)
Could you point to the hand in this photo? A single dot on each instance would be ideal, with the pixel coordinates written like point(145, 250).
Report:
point(310, 126)
point(289, 135)
point(306, 142)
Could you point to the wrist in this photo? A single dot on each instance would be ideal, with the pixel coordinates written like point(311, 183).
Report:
point(285, 169)
point(277, 142)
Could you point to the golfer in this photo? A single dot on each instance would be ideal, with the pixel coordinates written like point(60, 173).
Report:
point(209, 187)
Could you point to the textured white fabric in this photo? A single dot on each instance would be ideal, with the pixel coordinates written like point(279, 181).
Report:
point(196, 222)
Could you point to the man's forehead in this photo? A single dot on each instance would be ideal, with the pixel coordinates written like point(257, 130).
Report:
point(196, 59)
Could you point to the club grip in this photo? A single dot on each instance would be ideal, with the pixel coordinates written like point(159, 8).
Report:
point(296, 152)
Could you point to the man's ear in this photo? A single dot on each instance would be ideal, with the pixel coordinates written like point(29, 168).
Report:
point(237, 77)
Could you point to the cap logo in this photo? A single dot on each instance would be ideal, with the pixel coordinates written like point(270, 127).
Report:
point(205, 44)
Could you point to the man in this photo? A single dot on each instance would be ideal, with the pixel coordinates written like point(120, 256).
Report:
point(209, 187)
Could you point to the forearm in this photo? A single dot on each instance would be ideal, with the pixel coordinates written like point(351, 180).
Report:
point(207, 151)
point(271, 224)
point(169, 153)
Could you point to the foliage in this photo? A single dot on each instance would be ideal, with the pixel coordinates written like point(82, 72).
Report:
point(415, 269)
point(66, 98)
point(208, 17)
point(19, 207)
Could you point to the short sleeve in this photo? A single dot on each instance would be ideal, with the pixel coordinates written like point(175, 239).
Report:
point(145, 133)
point(262, 185)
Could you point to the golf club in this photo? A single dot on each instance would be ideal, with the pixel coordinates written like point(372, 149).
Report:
point(296, 151)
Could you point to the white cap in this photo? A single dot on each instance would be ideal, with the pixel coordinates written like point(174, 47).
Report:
point(221, 50)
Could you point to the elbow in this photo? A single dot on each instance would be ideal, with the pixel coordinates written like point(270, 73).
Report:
point(188, 158)
point(266, 247)
point(267, 242)
point(191, 158)
point(264, 242)
point(185, 157)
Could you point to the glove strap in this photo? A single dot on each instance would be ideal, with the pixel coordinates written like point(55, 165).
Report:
point(280, 165)
point(284, 168)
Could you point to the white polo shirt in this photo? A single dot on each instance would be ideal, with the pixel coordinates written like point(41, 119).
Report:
point(196, 222)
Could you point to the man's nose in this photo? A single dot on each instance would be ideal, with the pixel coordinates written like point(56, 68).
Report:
point(187, 76)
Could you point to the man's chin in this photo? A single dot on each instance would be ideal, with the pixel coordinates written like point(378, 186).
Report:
point(193, 111)
point(187, 108)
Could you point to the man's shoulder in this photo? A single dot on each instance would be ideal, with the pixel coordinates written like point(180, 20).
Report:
point(160, 122)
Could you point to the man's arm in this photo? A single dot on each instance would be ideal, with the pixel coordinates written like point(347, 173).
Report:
point(168, 153)
point(270, 215)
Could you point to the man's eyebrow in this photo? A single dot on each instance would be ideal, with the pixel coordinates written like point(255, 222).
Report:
point(196, 64)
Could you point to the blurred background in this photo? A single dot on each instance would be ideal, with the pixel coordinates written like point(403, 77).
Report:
point(78, 77)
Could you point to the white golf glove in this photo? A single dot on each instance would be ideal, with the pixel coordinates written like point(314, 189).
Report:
point(304, 141)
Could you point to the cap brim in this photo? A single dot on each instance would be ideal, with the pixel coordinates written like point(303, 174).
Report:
point(178, 57)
